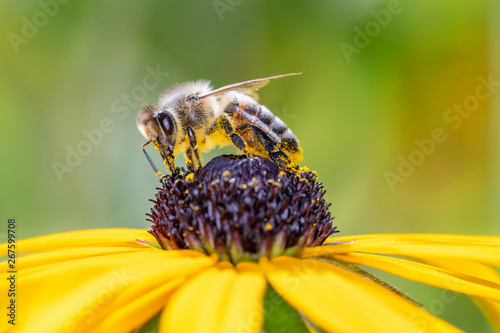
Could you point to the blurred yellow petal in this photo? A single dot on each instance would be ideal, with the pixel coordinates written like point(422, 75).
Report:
point(311, 329)
point(221, 300)
point(431, 275)
point(91, 266)
point(133, 292)
point(80, 238)
point(244, 308)
point(418, 238)
point(248, 266)
point(338, 300)
point(490, 308)
point(79, 292)
point(139, 310)
point(57, 256)
point(484, 249)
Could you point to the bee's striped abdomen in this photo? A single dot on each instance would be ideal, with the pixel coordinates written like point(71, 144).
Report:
point(262, 117)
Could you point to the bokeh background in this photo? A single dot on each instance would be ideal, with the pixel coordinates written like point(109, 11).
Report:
point(70, 67)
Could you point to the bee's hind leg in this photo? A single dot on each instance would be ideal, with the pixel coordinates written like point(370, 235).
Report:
point(235, 138)
point(272, 147)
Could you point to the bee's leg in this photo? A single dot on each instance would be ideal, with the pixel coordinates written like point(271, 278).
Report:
point(272, 147)
point(193, 143)
point(158, 173)
point(237, 140)
point(168, 158)
point(189, 160)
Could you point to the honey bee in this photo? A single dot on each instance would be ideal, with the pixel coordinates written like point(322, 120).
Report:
point(193, 118)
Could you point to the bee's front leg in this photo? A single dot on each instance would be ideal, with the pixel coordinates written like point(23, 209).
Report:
point(194, 148)
point(189, 160)
point(158, 173)
point(168, 158)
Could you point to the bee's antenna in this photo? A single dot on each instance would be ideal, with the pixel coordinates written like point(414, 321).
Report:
point(149, 159)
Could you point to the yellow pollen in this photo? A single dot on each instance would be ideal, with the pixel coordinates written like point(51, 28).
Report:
point(269, 226)
point(305, 169)
point(275, 183)
point(190, 177)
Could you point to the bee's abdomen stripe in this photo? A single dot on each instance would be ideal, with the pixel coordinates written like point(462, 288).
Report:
point(253, 110)
point(266, 116)
point(287, 135)
point(262, 117)
point(278, 126)
point(291, 143)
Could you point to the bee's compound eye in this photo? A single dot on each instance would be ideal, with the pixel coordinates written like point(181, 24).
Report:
point(167, 123)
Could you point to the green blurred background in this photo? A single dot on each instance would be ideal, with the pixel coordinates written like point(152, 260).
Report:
point(363, 100)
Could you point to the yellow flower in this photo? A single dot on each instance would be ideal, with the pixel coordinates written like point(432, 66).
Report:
point(116, 280)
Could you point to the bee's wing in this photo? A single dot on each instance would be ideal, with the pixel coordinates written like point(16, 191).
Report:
point(246, 87)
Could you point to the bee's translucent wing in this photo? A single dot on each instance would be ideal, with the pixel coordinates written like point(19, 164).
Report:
point(247, 86)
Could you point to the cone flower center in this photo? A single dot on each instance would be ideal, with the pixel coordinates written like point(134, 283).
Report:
point(241, 209)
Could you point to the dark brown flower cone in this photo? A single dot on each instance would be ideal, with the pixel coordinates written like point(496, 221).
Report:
point(241, 209)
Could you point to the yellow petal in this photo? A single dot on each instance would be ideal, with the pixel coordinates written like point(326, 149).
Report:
point(421, 238)
point(57, 256)
point(81, 293)
point(244, 308)
point(139, 310)
point(221, 300)
point(478, 248)
point(490, 308)
point(91, 266)
point(93, 237)
point(338, 300)
point(431, 275)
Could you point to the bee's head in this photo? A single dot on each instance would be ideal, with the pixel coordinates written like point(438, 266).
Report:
point(157, 125)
